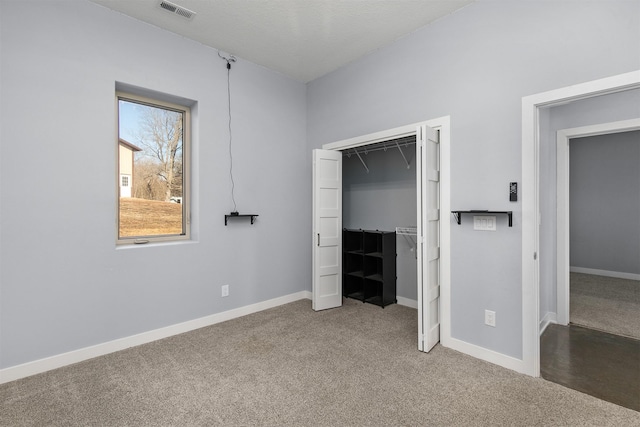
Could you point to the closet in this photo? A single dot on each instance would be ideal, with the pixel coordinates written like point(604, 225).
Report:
point(379, 222)
point(387, 181)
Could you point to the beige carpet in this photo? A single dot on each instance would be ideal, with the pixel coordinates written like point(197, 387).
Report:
point(605, 303)
point(289, 366)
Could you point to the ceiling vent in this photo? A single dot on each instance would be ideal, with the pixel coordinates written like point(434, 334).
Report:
point(177, 10)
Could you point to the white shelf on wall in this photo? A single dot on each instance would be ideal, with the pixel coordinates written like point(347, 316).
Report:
point(410, 234)
point(407, 231)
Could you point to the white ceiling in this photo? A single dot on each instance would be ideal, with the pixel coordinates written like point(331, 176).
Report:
point(303, 39)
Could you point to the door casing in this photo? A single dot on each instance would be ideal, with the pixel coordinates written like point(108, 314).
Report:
point(562, 186)
point(443, 125)
point(530, 363)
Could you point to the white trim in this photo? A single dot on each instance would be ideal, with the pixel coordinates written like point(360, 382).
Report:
point(562, 201)
point(373, 138)
point(562, 227)
point(42, 365)
point(548, 319)
point(411, 303)
point(421, 174)
point(443, 124)
point(605, 273)
point(486, 355)
point(530, 194)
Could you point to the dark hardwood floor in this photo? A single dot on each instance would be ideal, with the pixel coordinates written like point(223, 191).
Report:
point(597, 363)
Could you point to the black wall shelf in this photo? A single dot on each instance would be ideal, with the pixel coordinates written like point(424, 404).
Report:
point(252, 216)
point(458, 215)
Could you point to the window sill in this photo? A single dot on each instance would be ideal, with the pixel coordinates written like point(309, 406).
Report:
point(154, 243)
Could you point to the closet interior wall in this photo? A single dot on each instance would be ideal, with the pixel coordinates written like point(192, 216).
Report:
point(382, 199)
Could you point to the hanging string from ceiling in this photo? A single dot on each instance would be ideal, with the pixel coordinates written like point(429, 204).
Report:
point(234, 213)
point(229, 59)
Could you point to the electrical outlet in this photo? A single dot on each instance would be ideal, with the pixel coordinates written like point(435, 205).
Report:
point(225, 290)
point(490, 318)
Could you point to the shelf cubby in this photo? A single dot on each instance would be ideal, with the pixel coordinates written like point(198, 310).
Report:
point(369, 266)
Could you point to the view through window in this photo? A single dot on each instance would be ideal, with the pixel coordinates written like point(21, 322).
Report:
point(152, 143)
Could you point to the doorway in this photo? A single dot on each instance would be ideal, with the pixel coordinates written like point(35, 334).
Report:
point(566, 137)
point(595, 343)
point(379, 194)
point(531, 110)
point(432, 286)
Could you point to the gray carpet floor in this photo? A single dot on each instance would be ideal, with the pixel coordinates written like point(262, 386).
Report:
point(289, 366)
point(605, 303)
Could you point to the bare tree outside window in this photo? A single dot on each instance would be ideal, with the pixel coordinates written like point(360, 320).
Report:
point(159, 134)
point(151, 151)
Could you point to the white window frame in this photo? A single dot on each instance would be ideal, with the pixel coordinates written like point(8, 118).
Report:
point(186, 169)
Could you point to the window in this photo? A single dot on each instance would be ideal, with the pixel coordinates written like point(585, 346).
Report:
point(153, 170)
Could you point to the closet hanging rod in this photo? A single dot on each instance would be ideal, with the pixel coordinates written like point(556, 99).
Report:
point(350, 151)
point(385, 145)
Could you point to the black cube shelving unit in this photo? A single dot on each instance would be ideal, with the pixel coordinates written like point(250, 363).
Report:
point(369, 266)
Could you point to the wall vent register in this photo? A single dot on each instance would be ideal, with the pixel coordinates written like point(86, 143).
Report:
point(177, 10)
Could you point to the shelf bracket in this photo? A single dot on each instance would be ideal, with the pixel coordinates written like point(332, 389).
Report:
point(456, 216)
point(363, 163)
point(252, 216)
point(403, 156)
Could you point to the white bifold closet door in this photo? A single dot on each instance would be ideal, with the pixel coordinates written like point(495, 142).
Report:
point(428, 235)
point(327, 229)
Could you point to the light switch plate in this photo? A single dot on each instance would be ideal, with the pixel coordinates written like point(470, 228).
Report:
point(484, 223)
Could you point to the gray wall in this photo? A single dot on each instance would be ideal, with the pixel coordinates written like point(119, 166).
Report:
point(64, 284)
point(605, 202)
point(476, 65)
point(597, 110)
point(383, 199)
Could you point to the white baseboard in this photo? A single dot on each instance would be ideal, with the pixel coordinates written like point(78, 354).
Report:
point(606, 273)
point(487, 355)
point(42, 365)
point(411, 303)
point(547, 320)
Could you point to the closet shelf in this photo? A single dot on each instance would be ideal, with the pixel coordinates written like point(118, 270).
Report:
point(411, 236)
point(374, 254)
point(252, 216)
point(407, 231)
point(458, 214)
